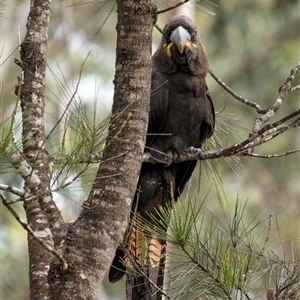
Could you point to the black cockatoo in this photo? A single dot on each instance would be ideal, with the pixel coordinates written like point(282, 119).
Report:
point(181, 116)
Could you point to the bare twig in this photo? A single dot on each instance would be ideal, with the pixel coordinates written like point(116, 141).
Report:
point(283, 120)
point(12, 189)
point(235, 95)
point(31, 232)
point(158, 28)
point(284, 90)
point(24, 168)
point(20, 199)
point(9, 56)
point(172, 7)
point(295, 88)
point(25, 198)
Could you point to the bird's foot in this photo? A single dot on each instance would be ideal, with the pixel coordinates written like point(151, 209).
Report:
point(195, 152)
point(164, 158)
point(151, 159)
point(171, 156)
point(156, 160)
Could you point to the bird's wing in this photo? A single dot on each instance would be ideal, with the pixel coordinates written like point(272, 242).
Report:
point(158, 104)
point(211, 118)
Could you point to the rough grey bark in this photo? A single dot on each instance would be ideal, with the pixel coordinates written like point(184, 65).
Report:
point(34, 56)
point(93, 238)
point(41, 211)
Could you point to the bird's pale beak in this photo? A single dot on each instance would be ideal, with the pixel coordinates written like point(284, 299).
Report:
point(179, 37)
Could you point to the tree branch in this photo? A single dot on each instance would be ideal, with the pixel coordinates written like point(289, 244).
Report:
point(284, 90)
point(42, 234)
point(235, 95)
point(30, 175)
point(295, 88)
point(257, 155)
point(12, 189)
point(33, 57)
point(70, 101)
point(172, 7)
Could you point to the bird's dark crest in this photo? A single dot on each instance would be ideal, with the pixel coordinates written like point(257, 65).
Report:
point(181, 116)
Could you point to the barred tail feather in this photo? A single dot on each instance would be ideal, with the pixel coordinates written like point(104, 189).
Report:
point(143, 262)
point(145, 281)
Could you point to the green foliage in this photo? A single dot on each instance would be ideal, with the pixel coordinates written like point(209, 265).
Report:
point(81, 143)
point(212, 259)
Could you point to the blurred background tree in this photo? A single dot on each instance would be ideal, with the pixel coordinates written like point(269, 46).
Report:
point(251, 45)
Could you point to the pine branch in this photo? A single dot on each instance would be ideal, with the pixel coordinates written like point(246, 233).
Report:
point(284, 90)
point(71, 100)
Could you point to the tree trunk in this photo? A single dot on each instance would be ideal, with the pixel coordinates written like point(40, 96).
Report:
point(93, 238)
point(41, 211)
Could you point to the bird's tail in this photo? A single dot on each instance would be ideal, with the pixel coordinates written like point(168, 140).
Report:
point(117, 269)
point(145, 277)
point(143, 262)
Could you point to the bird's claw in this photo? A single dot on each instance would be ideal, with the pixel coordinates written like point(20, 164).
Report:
point(195, 151)
point(170, 158)
point(166, 159)
point(152, 159)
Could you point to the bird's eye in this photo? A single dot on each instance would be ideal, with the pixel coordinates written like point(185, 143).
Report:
point(194, 34)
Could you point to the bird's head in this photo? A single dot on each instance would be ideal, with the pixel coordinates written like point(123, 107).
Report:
point(181, 48)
